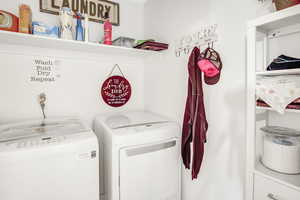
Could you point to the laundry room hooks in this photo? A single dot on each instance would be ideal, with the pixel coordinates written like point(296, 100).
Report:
point(206, 36)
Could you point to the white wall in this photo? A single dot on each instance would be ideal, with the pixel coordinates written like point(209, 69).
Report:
point(131, 18)
point(222, 172)
point(77, 92)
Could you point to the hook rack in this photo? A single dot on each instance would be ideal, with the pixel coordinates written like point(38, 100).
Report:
point(205, 36)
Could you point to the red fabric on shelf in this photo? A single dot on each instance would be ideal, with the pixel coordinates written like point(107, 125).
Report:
point(295, 106)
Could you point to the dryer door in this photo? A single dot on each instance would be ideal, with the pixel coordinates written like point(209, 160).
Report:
point(150, 172)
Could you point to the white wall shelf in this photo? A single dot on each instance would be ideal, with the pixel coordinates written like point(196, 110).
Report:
point(292, 181)
point(270, 109)
point(276, 20)
point(279, 72)
point(12, 38)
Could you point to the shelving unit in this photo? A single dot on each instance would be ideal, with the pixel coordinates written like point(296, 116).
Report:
point(270, 109)
point(263, 29)
point(279, 72)
point(276, 20)
point(12, 38)
point(292, 181)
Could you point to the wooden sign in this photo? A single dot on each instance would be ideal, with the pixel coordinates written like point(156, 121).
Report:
point(116, 91)
point(95, 9)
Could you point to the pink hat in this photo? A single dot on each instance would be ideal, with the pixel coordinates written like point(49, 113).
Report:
point(211, 65)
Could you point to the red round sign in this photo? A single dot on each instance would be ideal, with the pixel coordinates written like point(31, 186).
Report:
point(116, 91)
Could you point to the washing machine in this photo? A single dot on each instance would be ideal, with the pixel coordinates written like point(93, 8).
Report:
point(56, 159)
point(141, 158)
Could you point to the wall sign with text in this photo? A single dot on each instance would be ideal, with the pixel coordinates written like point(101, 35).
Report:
point(95, 9)
point(44, 70)
point(116, 91)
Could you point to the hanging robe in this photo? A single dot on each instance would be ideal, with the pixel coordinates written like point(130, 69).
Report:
point(194, 124)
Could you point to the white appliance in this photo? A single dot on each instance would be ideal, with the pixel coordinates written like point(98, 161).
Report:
point(281, 149)
point(141, 156)
point(56, 160)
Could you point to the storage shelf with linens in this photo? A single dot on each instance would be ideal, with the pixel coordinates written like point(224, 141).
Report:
point(273, 129)
point(279, 72)
point(272, 110)
point(278, 93)
point(292, 107)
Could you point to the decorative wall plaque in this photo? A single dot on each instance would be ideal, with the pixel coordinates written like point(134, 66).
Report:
point(116, 90)
point(95, 9)
point(44, 70)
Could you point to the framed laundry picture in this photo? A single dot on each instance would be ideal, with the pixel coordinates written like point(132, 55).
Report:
point(95, 9)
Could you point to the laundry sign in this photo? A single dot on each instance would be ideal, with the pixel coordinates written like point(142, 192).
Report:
point(116, 90)
point(95, 9)
point(44, 70)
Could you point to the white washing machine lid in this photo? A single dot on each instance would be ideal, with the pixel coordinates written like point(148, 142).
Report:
point(135, 128)
point(133, 119)
point(49, 127)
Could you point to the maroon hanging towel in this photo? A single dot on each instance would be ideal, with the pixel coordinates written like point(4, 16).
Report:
point(194, 123)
